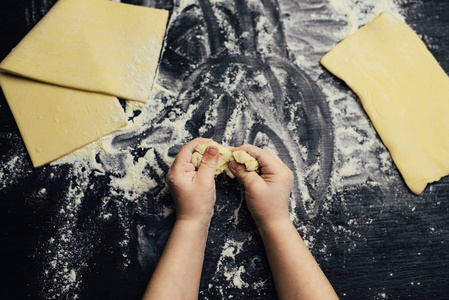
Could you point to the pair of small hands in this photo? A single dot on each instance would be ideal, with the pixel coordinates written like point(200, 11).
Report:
point(177, 276)
point(267, 195)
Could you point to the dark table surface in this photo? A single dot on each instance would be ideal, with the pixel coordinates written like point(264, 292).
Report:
point(239, 72)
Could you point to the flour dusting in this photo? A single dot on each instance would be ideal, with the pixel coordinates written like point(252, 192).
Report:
point(357, 13)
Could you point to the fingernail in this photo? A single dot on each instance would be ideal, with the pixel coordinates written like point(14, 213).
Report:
point(234, 165)
point(212, 151)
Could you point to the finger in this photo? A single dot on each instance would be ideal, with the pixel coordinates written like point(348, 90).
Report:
point(208, 163)
point(268, 161)
point(246, 178)
point(185, 154)
point(189, 168)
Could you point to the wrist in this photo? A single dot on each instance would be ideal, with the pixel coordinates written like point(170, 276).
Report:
point(275, 226)
point(200, 222)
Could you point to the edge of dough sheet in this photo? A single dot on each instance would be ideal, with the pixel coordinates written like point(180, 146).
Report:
point(55, 121)
point(98, 46)
point(405, 93)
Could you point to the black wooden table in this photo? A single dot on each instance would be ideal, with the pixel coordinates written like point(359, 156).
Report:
point(238, 72)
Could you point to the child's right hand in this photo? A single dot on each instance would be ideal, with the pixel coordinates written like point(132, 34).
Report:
point(267, 195)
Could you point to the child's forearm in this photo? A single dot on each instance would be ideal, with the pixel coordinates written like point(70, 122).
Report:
point(296, 273)
point(178, 272)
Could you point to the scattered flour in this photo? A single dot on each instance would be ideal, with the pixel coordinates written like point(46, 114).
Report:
point(226, 264)
point(136, 181)
point(357, 13)
point(65, 262)
point(13, 169)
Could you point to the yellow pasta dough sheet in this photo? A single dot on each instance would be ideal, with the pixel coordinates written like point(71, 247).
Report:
point(62, 79)
point(93, 45)
point(405, 93)
point(55, 121)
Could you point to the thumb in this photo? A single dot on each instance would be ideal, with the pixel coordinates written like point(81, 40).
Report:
point(208, 162)
point(246, 178)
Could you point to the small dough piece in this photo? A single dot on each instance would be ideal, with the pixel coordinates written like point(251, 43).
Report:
point(93, 45)
point(244, 158)
point(55, 121)
point(405, 93)
point(196, 159)
point(226, 156)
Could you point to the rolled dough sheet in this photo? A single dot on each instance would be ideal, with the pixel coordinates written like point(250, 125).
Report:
point(405, 93)
point(55, 121)
point(69, 67)
point(93, 45)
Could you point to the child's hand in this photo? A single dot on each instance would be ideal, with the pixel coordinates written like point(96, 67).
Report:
point(267, 195)
point(194, 191)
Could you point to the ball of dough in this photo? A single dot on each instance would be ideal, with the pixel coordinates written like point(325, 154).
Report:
point(226, 156)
